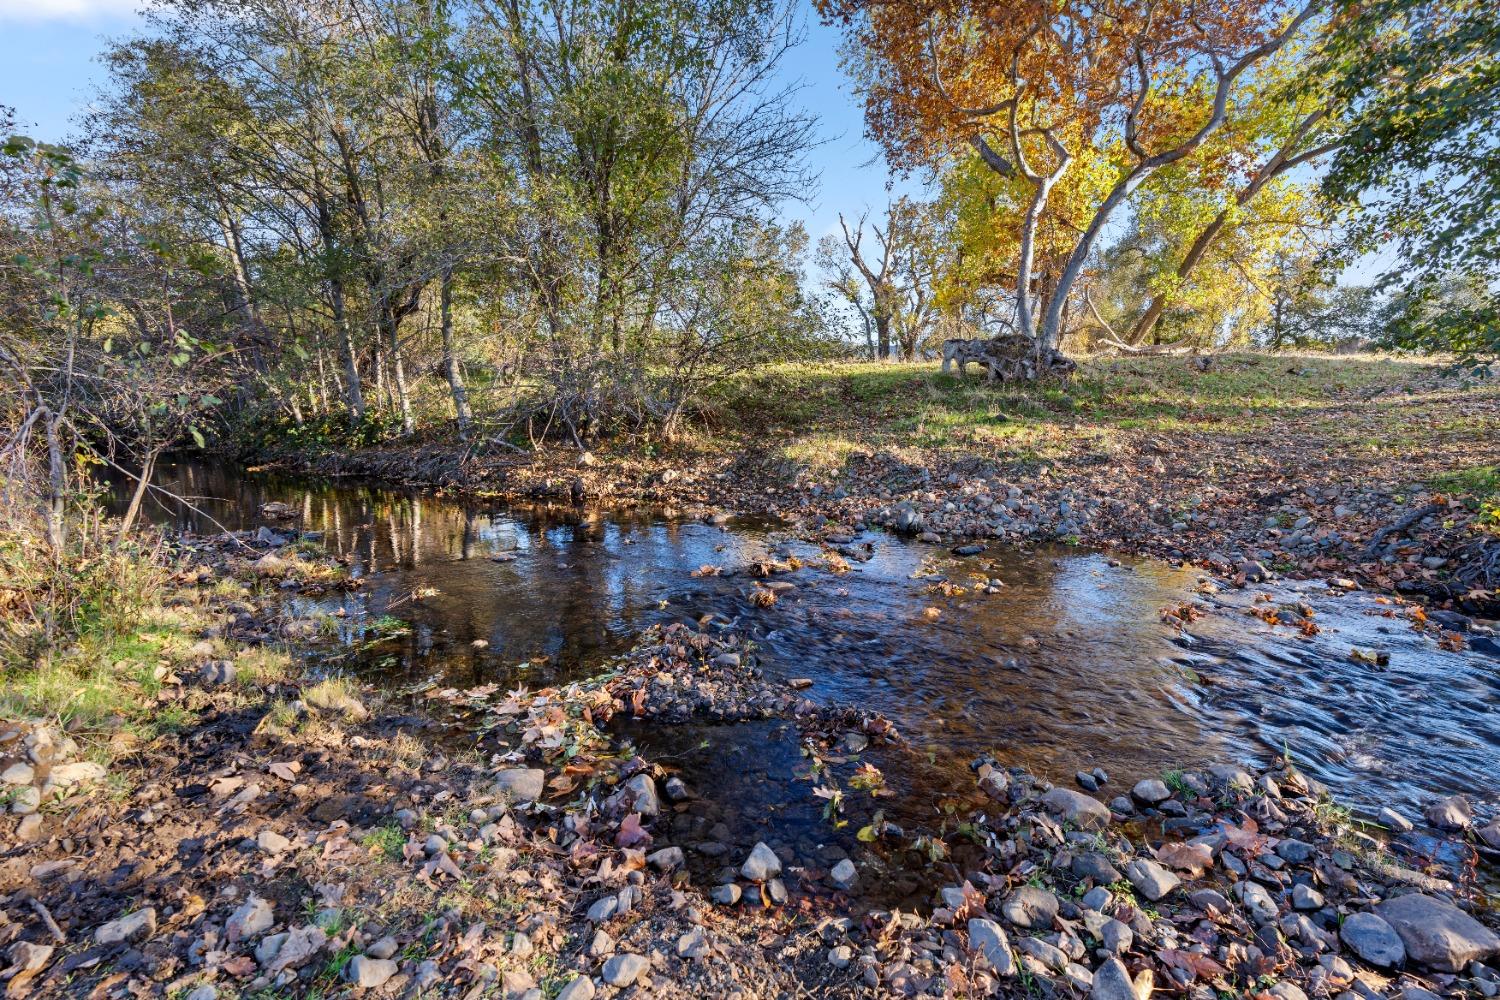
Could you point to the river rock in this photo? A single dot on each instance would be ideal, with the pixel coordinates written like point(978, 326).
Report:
point(1082, 811)
point(253, 916)
point(1438, 934)
point(603, 908)
point(844, 875)
point(987, 940)
point(623, 970)
point(761, 865)
point(1295, 851)
point(1150, 791)
point(1151, 879)
point(580, 988)
point(1452, 813)
point(637, 795)
point(135, 926)
point(1112, 982)
point(19, 773)
point(368, 973)
point(1373, 940)
point(521, 784)
point(1096, 867)
point(1030, 907)
point(725, 895)
point(1305, 897)
point(1258, 901)
point(667, 859)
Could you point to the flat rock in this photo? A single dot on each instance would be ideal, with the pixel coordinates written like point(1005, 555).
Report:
point(1082, 811)
point(1151, 879)
point(1373, 940)
point(624, 970)
point(368, 973)
point(1438, 934)
point(987, 940)
point(136, 926)
point(521, 784)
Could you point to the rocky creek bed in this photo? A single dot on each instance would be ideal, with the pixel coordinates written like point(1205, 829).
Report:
point(556, 835)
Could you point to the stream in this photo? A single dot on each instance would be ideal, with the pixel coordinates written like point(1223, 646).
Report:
point(1067, 667)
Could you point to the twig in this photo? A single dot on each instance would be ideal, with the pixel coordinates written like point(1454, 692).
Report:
point(47, 921)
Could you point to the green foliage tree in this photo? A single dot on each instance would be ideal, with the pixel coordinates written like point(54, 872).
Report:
point(1418, 172)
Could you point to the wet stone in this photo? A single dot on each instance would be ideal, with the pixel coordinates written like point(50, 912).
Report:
point(1082, 811)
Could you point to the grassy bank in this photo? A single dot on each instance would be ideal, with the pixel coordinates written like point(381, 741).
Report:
point(1356, 408)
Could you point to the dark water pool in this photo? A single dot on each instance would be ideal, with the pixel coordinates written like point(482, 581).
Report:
point(1069, 666)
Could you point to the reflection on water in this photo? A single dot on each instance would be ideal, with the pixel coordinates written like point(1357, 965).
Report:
point(1068, 667)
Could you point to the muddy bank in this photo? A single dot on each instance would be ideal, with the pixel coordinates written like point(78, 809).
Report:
point(1191, 501)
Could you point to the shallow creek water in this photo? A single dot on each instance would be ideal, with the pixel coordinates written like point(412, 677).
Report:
point(1068, 667)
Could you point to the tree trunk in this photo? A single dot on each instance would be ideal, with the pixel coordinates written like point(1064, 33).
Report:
point(353, 389)
point(138, 495)
point(57, 483)
point(461, 411)
point(398, 375)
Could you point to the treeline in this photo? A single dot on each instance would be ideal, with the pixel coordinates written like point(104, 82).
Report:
point(293, 213)
point(519, 220)
point(1123, 172)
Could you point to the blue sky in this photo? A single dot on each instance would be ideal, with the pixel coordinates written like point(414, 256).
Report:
point(49, 69)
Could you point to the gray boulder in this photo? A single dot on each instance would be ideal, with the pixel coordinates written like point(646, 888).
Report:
point(1438, 934)
point(1373, 940)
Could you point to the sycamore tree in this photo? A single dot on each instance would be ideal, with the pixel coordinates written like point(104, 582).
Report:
point(888, 269)
point(1127, 88)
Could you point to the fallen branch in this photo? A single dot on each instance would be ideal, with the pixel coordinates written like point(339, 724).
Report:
point(47, 921)
point(1398, 528)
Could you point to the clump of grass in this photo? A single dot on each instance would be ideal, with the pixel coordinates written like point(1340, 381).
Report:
point(386, 841)
point(262, 666)
point(336, 696)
